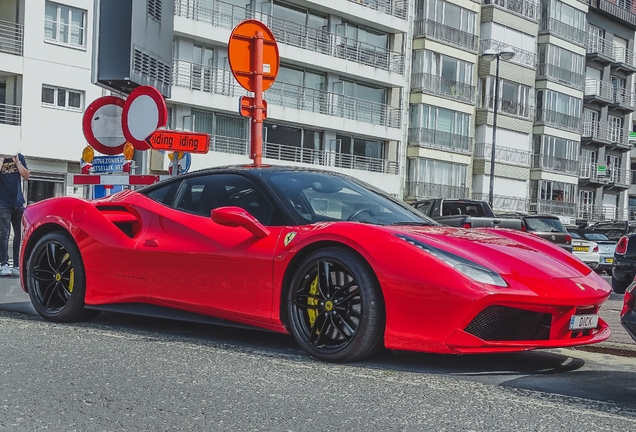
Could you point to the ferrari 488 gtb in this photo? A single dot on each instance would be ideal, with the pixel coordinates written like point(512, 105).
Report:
point(343, 267)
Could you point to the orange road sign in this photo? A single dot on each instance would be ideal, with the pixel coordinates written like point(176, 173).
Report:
point(246, 107)
point(241, 55)
point(179, 141)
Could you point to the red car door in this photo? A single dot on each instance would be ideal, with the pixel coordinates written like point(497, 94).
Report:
point(193, 263)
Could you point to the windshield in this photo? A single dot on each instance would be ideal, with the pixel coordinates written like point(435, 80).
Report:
point(318, 197)
point(596, 236)
point(544, 225)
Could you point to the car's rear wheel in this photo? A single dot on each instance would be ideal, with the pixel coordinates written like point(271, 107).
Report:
point(619, 286)
point(56, 279)
point(335, 306)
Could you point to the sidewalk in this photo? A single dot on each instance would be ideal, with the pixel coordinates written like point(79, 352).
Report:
point(620, 343)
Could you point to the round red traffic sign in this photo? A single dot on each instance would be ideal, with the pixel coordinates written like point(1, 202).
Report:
point(240, 53)
point(145, 110)
point(102, 125)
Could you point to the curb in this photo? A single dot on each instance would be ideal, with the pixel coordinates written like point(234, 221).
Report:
point(616, 349)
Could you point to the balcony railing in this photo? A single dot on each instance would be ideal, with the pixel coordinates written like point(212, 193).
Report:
point(11, 38)
point(553, 207)
point(596, 130)
point(525, 8)
point(599, 89)
point(220, 81)
point(625, 56)
point(521, 57)
point(622, 9)
point(619, 176)
point(601, 46)
point(555, 164)
point(593, 213)
point(446, 34)
point(435, 190)
point(563, 30)
point(506, 107)
point(562, 75)
point(396, 8)
point(557, 119)
point(503, 154)
point(227, 16)
point(590, 171)
point(430, 138)
point(505, 203)
point(443, 86)
point(625, 97)
point(10, 114)
point(283, 152)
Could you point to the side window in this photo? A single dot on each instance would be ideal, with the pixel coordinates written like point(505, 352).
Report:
point(202, 194)
point(164, 194)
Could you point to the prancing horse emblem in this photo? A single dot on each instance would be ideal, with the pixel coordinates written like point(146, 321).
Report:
point(289, 237)
point(553, 238)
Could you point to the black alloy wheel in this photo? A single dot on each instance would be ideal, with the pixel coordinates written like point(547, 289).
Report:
point(56, 279)
point(335, 306)
point(619, 286)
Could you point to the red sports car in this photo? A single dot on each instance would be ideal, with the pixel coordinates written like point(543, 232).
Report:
point(628, 313)
point(343, 267)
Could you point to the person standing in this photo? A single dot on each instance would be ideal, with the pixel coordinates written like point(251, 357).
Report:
point(12, 171)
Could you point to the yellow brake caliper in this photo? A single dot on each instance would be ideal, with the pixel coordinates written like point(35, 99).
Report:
point(313, 290)
point(71, 282)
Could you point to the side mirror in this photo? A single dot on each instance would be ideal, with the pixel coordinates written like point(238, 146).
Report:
point(237, 217)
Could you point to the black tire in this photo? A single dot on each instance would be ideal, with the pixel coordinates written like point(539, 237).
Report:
point(619, 286)
point(56, 279)
point(609, 272)
point(347, 322)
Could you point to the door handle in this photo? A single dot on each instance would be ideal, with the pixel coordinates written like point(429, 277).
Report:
point(151, 242)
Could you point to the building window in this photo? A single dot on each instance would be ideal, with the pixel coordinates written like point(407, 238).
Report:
point(64, 24)
point(62, 98)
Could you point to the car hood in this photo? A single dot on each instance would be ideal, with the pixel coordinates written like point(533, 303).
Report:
point(508, 252)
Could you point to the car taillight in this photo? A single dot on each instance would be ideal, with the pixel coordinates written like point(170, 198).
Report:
point(628, 300)
point(466, 225)
point(568, 240)
point(595, 249)
point(621, 247)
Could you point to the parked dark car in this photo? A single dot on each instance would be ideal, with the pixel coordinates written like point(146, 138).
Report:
point(614, 230)
point(464, 213)
point(546, 226)
point(606, 247)
point(628, 314)
point(624, 266)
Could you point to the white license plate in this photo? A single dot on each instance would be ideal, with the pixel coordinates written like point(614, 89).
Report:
point(581, 322)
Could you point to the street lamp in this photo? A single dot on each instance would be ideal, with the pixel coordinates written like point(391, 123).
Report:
point(489, 55)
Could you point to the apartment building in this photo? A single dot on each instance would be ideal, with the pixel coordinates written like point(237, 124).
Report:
point(398, 93)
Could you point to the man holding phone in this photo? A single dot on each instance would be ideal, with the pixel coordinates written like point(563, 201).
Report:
point(12, 170)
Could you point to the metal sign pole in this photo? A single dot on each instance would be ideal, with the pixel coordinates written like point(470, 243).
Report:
point(257, 112)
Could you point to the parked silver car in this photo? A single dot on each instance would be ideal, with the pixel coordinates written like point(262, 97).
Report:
point(606, 247)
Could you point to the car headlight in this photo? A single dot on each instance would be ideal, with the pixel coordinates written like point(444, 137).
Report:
point(466, 267)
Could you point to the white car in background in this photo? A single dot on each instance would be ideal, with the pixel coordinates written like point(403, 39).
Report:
point(586, 250)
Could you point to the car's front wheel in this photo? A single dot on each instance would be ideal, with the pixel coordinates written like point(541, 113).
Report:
point(335, 306)
point(619, 286)
point(56, 279)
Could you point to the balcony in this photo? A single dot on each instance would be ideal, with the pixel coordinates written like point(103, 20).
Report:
point(422, 190)
point(561, 75)
point(564, 31)
point(440, 86)
point(287, 153)
point(506, 107)
point(221, 81)
point(624, 100)
point(227, 16)
point(593, 213)
point(625, 60)
point(589, 175)
point(624, 10)
point(559, 120)
point(396, 8)
point(507, 155)
point(595, 132)
point(618, 139)
point(553, 207)
point(601, 92)
point(600, 49)
point(446, 34)
point(521, 57)
point(619, 178)
point(504, 203)
point(524, 8)
point(10, 115)
point(11, 38)
point(430, 138)
point(555, 164)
